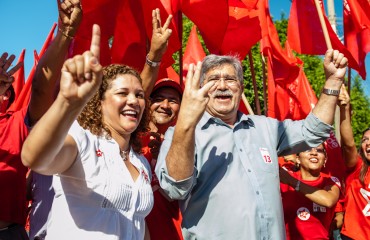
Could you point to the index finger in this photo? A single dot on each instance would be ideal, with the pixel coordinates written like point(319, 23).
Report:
point(95, 41)
point(15, 68)
point(168, 22)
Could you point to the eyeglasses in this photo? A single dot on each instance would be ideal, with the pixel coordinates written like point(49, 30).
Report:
point(229, 80)
point(318, 150)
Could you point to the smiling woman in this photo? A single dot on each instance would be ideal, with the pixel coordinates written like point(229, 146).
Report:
point(101, 181)
point(309, 196)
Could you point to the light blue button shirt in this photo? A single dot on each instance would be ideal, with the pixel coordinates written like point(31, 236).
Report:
point(234, 192)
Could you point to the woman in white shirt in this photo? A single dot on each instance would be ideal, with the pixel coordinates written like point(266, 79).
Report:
point(101, 182)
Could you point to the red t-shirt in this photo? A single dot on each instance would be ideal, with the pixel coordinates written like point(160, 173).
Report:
point(303, 218)
point(13, 132)
point(164, 221)
point(357, 205)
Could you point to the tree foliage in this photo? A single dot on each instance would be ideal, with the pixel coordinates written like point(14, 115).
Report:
point(360, 105)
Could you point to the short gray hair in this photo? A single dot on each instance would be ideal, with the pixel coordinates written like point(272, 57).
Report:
point(213, 61)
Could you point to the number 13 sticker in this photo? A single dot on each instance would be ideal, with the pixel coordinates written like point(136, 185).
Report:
point(265, 155)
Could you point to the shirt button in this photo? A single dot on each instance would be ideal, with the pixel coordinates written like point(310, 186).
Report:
point(241, 150)
point(261, 216)
point(258, 192)
point(249, 170)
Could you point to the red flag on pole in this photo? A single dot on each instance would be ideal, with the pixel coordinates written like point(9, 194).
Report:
point(305, 34)
point(194, 51)
point(356, 18)
point(23, 98)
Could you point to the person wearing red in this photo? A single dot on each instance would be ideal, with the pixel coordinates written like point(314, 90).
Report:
point(309, 197)
point(357, 201)
point(164, 221)
point(14, 126)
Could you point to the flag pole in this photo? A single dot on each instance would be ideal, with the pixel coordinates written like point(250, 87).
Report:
point(247, 105)
point(264, 83)
point(179, 15)
point(323, 25)
point(329, 46)
point(256, 100)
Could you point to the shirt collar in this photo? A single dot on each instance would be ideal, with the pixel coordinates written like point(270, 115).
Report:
point(207, 119)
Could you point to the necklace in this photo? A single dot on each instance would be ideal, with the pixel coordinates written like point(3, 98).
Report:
point(124, 154)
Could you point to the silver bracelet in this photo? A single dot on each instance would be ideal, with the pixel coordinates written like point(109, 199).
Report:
point(151, 63)
point(330, 92)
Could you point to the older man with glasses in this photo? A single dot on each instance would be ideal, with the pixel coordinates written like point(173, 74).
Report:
point(222, 164)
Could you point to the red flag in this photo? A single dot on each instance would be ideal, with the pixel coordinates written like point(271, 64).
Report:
point(244, 28)
point(356, 17)
point(287, 83)
point(335, 163)
point(129, 42)
point(103, 13)
point(194, 51)
point(305, 34)
point(23, 99)
point(211, 18)
point(19, 76)
point(284, 66)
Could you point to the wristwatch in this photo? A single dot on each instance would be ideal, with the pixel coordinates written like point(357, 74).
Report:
point(151, 63)
point(297, 185)
point(330, 92)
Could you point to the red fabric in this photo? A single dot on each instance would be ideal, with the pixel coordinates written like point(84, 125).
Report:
point(305, 34)
point(129, 42)
point(242, 108)
point(166, 8)
point(356, 18)
point(335, 163)
point(243, 30)
point(164, 221)
point(103, 13)
point(357, 216)
point(211, 18)
point(194, 51)
point(13, 207)
point(299, 224)
point(286, 79)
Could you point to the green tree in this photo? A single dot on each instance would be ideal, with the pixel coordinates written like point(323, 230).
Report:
point(360, 105)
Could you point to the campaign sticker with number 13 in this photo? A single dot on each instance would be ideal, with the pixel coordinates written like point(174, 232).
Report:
point(265, 155)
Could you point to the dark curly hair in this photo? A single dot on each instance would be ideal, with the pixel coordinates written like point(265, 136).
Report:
point(365, 163)
point(91, 117)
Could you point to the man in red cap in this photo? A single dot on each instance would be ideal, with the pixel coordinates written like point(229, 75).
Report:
point(164, 221)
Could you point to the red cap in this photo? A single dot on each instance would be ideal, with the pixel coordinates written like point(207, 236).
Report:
point(167, 82)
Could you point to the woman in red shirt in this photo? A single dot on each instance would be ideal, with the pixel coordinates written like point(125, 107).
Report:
point(309, 197)
point(357, 201)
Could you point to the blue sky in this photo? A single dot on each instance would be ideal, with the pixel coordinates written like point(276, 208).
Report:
point(26, 25)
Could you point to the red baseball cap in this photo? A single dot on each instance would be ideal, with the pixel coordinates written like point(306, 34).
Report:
point(167, 82)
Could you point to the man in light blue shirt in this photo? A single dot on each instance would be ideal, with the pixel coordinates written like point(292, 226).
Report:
point(223, 164)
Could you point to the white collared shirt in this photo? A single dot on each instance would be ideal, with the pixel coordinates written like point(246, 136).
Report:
point(96, 198)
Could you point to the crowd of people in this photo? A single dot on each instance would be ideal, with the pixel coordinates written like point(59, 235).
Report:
point(107, 152)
